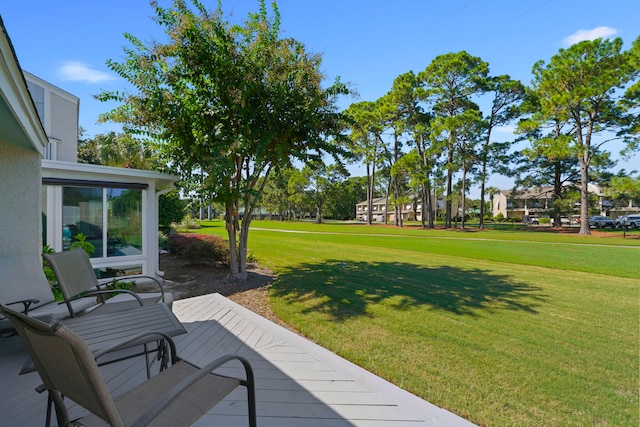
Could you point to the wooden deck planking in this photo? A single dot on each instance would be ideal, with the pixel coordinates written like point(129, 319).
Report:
point(298, 383)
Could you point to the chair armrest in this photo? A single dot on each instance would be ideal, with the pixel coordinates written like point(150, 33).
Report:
point(188, 381)
point(144, 337)
point(142, 277)
point(26, 303)
point(107, 292)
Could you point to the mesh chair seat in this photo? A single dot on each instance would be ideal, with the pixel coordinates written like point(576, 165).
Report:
point(76, 276)
point(175, 397)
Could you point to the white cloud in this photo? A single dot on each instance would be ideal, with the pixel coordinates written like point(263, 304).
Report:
point(581, 35)
point(79, 72)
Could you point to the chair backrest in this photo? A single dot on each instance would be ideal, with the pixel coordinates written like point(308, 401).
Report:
point(22, 278)
point(65, 364)
point(74, 272)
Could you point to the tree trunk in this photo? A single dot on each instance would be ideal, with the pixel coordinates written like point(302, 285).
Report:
point(584, 161)
point(447, 208)
point(584, 196)
point(231, 222)
point(370, 185)
point(429, 205)
point(464, 178)
point(483, 179)
point(557, 193)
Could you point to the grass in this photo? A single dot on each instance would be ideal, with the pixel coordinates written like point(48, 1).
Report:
point(504, 327)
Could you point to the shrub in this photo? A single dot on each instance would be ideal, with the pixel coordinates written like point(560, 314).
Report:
point(118, 284)
point(163, 239)
point(171, 208)
point(188, 223)
point(199, 248)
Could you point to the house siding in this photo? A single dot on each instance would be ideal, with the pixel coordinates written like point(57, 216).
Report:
point(20, 189)
point(64, 127)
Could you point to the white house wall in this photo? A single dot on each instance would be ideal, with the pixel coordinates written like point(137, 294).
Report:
point(63, 128)
point(20, 209)
point(22, 142)
point(59, 113)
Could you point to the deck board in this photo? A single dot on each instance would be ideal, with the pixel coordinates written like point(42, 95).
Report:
point(298, 383)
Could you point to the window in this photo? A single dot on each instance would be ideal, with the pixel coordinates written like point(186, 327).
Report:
point(109, 218)
point(124, 222)
point(82, 213)
point(37, 94)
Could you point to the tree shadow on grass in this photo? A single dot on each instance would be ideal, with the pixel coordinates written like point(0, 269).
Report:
point(345, 290)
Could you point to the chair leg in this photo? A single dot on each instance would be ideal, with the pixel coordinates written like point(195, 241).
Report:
point(146, 360)
point(61, 411)
point(251, 400)
point(49, 403)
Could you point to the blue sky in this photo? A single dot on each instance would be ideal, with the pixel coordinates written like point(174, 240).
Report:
point(366, 42)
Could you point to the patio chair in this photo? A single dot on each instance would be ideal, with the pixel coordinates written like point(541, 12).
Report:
point(177, 396)
point(24, 286)
point(77, 279)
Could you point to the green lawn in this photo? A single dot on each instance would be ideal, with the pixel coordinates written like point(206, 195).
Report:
point(503, 327)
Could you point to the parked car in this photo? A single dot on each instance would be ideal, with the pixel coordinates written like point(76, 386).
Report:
point(620, 221)
point(599, 221)
point(631, 221)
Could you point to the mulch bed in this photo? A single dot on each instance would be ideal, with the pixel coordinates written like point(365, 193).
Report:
point(187, 280)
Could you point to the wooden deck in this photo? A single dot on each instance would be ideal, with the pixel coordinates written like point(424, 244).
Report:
point(298, 383)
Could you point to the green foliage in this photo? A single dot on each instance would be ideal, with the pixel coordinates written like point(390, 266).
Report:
point(80, 242)
point(227, 102)
point(624, 187)
point(171, 209)
point(119, 150)
point(50, 275)
point(187, 223)
point(118, 284)
point(199, 248)
point(580, 88)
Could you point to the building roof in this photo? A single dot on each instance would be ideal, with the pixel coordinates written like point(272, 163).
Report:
point(529, 193)
point(19, 121)
point(72, 170)
point(375, 201)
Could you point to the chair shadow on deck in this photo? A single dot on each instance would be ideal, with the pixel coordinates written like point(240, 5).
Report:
point(281, 399)
point(347, 289)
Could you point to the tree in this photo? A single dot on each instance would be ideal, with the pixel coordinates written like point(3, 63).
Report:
point(581, 84)
point(548, 160)
point(316, 183)
point(506, 94)
point(366, 127)
point(171, 208)
point(491, 192)
point(624, 187)
point(344, 196)
point(275, 194)
point(119, 150)
point(234, 101)
point(412, 168)
point(468, 133)
point(451, 81)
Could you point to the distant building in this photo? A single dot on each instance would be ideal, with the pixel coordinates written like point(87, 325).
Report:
point(538, 202)
point(410, 211)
